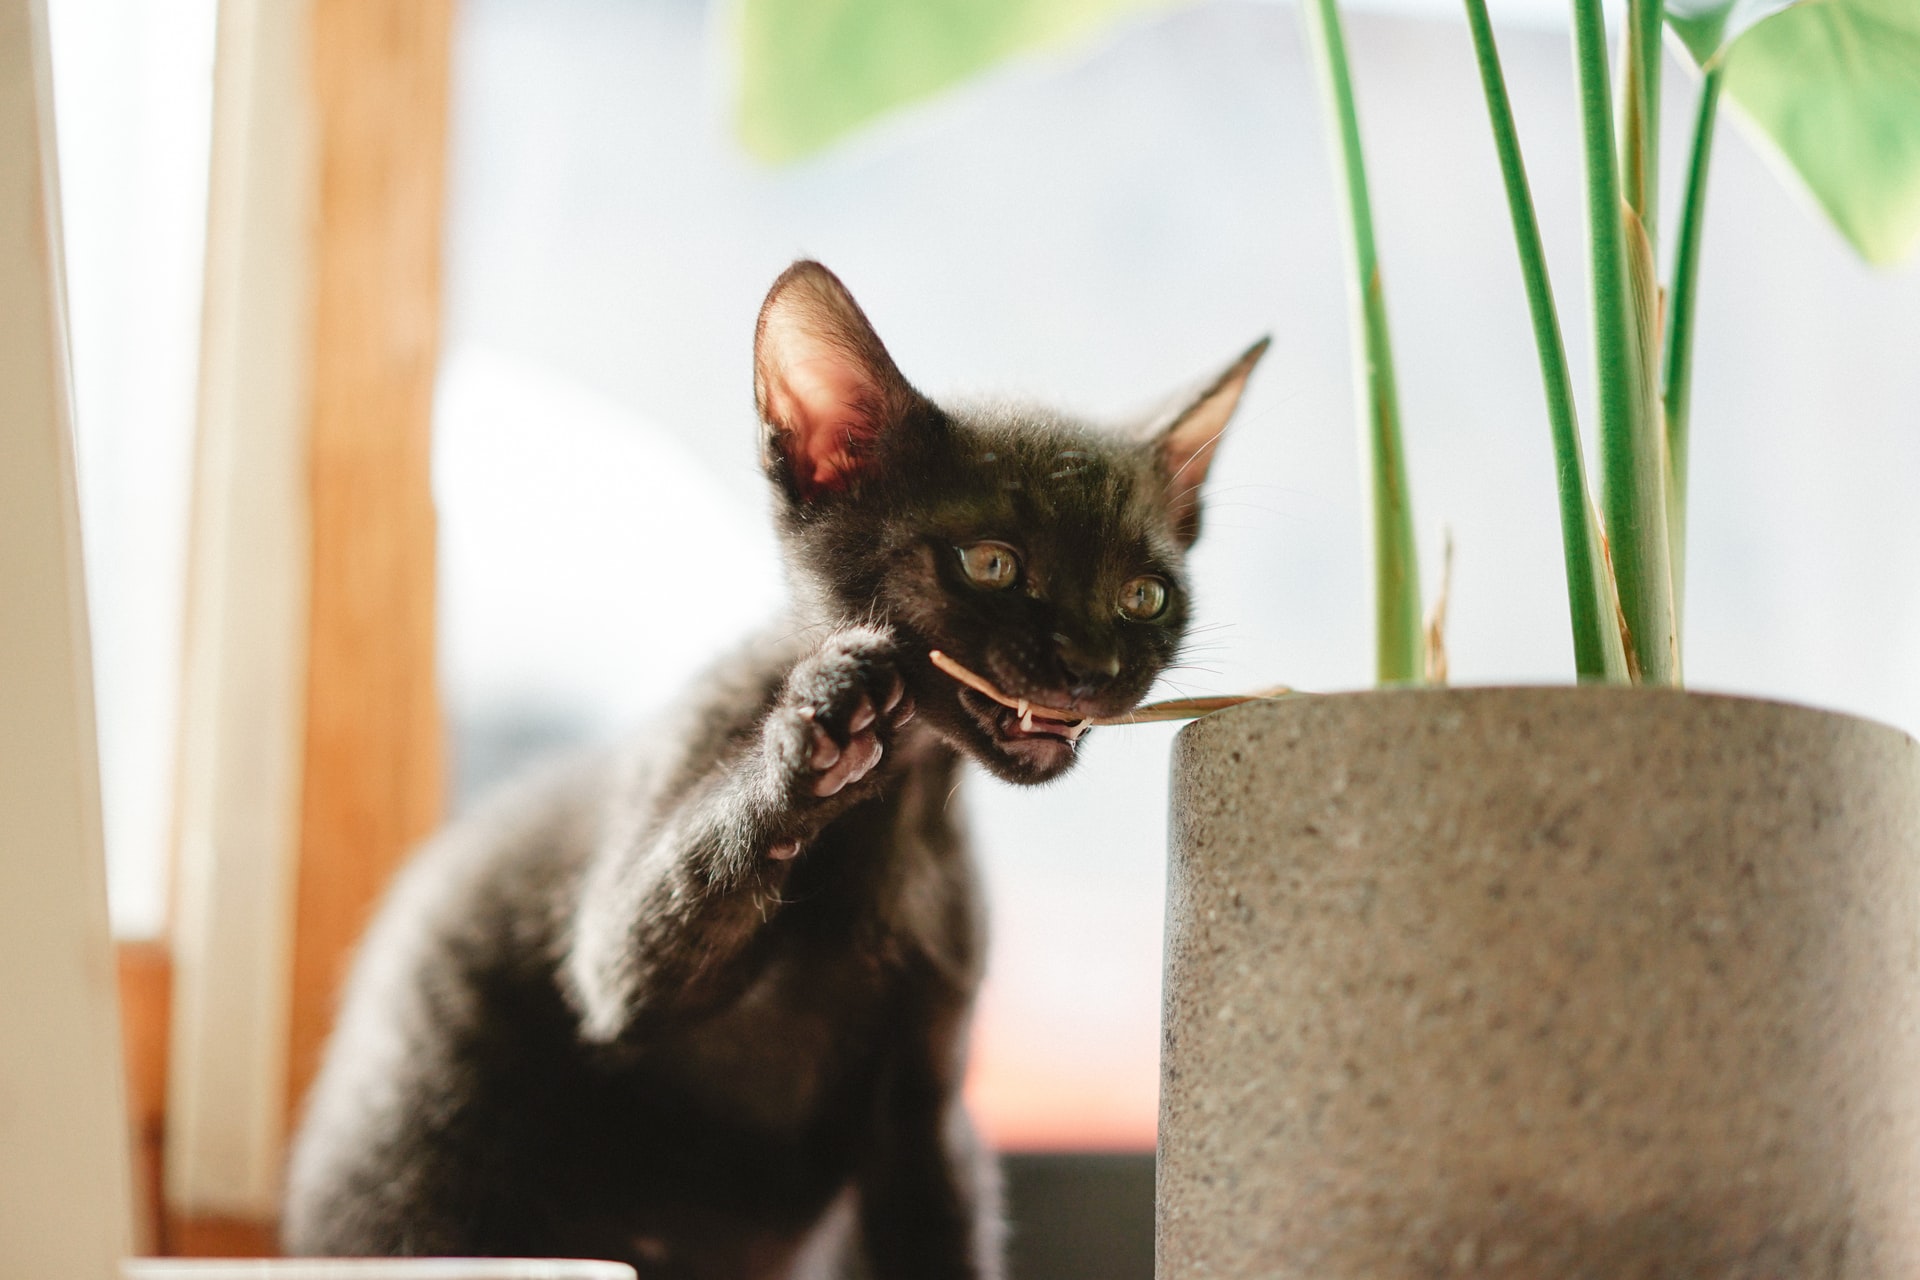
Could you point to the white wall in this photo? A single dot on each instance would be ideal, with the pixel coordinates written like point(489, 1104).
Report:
point(133, 79)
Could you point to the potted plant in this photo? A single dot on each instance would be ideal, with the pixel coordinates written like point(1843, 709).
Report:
point(1563, 981)
point(1602, 980)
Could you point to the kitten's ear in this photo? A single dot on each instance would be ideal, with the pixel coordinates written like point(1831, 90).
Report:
point(1184, 445)
point(825, 387)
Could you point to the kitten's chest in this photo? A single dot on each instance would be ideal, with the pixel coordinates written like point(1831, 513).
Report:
point(877, 952)
point(894, 885)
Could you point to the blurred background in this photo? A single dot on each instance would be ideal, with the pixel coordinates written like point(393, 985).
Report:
point(1094, 226)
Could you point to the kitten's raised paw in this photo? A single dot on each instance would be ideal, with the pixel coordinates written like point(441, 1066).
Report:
point(834, 765)
point(841, 706)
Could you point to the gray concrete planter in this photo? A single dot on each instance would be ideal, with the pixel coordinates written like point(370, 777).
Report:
point(1544, 983)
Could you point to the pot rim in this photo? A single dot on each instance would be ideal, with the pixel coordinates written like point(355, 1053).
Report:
point(1597, 692)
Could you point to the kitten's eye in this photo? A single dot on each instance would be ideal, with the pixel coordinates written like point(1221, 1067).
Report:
point(1144, 598)
point(990, 564)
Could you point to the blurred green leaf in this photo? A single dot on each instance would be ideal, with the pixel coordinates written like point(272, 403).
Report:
point(1708, 26)
point(811, 70)
point(1835, 84)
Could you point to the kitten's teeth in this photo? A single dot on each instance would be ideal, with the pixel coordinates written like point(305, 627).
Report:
point(1075, 730)
point(1026, 717)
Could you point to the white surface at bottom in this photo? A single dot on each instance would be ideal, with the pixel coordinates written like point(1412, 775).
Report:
point(371, 1269)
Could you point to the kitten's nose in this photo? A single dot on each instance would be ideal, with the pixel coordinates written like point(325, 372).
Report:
point(1088, 668)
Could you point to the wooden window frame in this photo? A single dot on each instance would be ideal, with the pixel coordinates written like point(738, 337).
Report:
point(310, 749)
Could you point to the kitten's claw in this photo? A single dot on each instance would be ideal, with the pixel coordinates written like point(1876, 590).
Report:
point(863, 715)
point(855, 763)
point(842, 703)
point(825, 750)
point(785, 851)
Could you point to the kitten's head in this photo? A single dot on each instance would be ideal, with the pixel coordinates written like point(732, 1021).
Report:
point(1040, 552)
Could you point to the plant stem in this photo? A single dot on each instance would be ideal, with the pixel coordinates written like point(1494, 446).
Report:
point(1625, 320)
point(1679, 384)
point(1397, 622)
point(1592, 601)
point(1640, 111)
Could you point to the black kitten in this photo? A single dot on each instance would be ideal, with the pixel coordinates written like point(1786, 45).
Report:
point(701, 1005)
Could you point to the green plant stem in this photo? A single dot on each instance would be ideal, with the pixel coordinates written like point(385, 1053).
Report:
point(1679, 373)
point(1592, 602)
point(1625, 317)
point(1399, 634)
point(1640, 111)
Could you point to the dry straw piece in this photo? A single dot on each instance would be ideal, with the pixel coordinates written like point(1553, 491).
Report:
point(1173, 709)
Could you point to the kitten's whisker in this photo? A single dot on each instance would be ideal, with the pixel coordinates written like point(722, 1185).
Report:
point(1205, 449)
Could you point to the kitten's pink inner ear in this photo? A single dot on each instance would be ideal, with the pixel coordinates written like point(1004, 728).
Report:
point(824, 414)
point(1187, 446)
point(826, 387)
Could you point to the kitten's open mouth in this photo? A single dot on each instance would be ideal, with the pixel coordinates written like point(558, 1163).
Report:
point(1012, 720)
point(1039, 742)
point(1014, 725)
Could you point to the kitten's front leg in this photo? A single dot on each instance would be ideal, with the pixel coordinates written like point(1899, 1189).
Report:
point(930, 1199)
point(668, 912)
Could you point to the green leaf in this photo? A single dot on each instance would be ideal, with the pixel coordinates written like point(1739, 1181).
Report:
point(1708, 26)
point(809, 71)
point(1837, 87)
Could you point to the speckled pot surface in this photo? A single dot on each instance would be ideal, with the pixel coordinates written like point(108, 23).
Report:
point(1543, 983)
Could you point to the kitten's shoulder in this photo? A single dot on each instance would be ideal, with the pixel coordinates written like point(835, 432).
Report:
point(717, 710)
point(526, 840)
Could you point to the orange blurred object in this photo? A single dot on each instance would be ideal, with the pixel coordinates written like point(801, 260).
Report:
point(1031, 1102)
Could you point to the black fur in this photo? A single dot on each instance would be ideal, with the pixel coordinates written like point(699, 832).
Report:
point(701, 1004)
